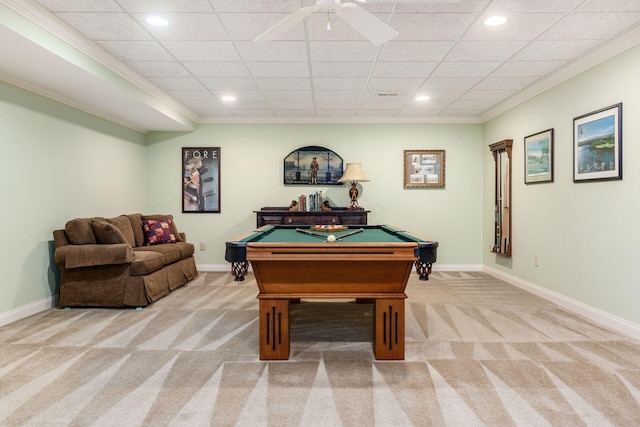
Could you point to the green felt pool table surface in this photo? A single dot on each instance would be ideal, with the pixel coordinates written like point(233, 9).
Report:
point(298, 234)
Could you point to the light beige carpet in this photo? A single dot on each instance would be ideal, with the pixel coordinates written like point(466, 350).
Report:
point(479, 352)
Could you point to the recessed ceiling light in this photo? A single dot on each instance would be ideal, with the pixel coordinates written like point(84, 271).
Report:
point(156, 20)
point(495, 20)
point(228, 98)
point(422, 98)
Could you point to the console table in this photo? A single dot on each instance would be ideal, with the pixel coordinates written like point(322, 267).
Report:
point(283, 216)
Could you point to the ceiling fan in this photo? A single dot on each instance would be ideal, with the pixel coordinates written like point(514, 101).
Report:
point(362, 21)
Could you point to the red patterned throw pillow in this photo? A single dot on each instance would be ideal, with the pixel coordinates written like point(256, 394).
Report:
point(158, 231)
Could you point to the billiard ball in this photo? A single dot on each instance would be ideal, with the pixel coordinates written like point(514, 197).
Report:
point(331, 238)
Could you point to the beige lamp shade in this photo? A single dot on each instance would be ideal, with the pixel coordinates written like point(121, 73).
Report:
point(353, 172)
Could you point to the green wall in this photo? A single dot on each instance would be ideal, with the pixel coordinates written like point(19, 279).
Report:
point(56, 163)
point(586, 234)
point(252, 177)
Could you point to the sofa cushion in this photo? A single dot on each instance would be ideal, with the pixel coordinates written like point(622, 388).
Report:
point(136, 225)
point(80, 232)
point(158, 231)
point(175, 227)
point(186, 249)
point(106, 233)
point(146, 262)
point(170, 252)
point(123, 224)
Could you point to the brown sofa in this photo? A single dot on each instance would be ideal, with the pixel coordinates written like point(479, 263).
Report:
point(126, 261)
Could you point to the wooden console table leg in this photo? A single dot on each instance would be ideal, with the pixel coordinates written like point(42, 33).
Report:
point(274, 329)
point(388, 329)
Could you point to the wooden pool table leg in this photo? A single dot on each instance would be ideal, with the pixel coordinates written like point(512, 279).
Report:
point(274, 329)
point(423, 269)
point(388, 329)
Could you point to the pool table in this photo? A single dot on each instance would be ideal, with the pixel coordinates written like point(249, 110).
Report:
point(365, 262)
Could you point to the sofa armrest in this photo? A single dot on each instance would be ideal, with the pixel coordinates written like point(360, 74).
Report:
point(74, 256)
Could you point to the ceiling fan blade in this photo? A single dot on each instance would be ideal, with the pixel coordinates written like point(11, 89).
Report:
point(286, 24)
point(366, 24)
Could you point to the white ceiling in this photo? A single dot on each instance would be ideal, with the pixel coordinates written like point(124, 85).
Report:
point(443, 51)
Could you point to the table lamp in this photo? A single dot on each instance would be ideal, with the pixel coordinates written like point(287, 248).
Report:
point(354, 173)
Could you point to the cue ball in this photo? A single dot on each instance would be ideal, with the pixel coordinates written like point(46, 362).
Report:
point(331, 238)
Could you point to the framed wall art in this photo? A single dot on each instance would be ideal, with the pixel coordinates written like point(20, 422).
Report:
point(312, 165)
point(201, 179)
point(538, 157)
point(424, 168)
point(597, 145)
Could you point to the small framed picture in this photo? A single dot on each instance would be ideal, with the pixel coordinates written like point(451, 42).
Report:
point(538, 157)
point(424, 168)
point(597, 145)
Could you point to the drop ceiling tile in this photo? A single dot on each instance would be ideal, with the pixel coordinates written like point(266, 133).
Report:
point(526, 68)
point(336, 105)
point(510, 6)
point(278, 69)
point(496, 83)
point(157, 6)
point(342, 51)
point(419, 112)
point(228, 83)
point(159, 68)
point(609, 6)
point(346, 84)
point(411, 51)
point(450, 83)
point(287, 95)
point(251, 113)
point(186, 26)
point(248, 26)
point(290, 83)
point(254, 6)
point(206, 112)
point(482, 95)
point(245, 104)
point(461, 6)
point(291, 105)
point(336, 113)
point(80, 6)
point(338, 95)
point(177, 83)
point(340, 29)
point(106, 26)
point(461, 112)
point(272, 51)
point(216, 68)
point(394, 84)
point(242, 95)
point(472, 105)
point(341, 69)
point(378, 113)
point(431, 26)
point(137, 50)
point(466, 69)
point(385, 103)
point(520, 26)
point(598, 26)
point(403, 69)
point(202, 50)
point(495, 50)
point(213, 104)
point(294, 113)
point(555, 50)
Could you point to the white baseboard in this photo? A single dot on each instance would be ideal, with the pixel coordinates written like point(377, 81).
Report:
point(603, 318)
point(28, 310)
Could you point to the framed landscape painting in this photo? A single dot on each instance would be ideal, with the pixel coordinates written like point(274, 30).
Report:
point(538, 157)
point(597, 145)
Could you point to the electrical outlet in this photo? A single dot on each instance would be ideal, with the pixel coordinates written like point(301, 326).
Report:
point(203, 247)
point(535, 260)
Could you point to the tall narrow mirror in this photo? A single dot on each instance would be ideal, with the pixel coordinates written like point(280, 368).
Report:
point(501, 152)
